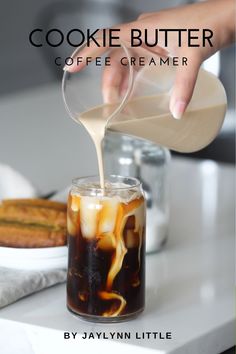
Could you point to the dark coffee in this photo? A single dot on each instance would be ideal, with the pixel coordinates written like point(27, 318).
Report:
point(106, 269)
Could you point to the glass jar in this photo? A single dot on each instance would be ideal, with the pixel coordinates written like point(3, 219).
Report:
point(149, 163)
point(106, 240)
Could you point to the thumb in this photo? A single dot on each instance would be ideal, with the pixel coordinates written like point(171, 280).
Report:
point(185, 79)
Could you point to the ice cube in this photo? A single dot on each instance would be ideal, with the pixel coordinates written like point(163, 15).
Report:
point(107, 216)
point(72, 225)
point(74, 202)
point(73, 214)
point(89, 211)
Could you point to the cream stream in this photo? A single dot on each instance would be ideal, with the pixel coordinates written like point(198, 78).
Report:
point(96, 128)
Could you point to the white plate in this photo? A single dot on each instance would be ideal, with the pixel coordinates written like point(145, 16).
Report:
point(33, 253)
point(35, 264)
point(34, 258)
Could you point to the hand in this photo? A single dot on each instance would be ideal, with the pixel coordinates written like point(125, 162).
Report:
point(217, 15)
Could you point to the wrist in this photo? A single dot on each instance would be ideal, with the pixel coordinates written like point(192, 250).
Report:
point(226, 22)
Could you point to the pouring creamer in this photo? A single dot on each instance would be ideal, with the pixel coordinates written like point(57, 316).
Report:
point(148, 117)
point(141, 106)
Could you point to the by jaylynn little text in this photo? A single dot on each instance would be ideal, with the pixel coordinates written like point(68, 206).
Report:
point(119, 335)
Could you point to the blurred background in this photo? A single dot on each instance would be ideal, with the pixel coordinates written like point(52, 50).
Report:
point(47, 149)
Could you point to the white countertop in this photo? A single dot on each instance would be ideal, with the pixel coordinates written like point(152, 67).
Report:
point(190, 284)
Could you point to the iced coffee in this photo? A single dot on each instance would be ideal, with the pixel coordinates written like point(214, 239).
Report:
point(106, 239)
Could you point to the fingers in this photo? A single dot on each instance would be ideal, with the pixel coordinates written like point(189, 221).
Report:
point(184, 84)
point(94, 49)
point(115, 78)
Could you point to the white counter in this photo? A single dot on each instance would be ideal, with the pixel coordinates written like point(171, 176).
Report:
point(190, 284)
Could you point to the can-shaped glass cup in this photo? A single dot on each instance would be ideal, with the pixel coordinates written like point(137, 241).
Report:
point(106, 241)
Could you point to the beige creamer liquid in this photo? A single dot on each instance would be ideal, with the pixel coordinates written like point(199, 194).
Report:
point(148, 117)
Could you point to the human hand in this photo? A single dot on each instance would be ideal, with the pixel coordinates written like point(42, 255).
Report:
point(217, 15)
